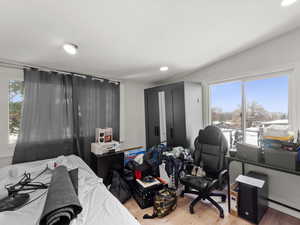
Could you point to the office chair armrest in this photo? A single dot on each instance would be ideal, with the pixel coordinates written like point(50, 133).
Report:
point(218, 183)
point(213, 185)
point(222, 178)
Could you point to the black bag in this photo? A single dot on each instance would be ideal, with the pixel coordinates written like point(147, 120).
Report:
point(119, 188)
point(131, 165)
point(165, 202)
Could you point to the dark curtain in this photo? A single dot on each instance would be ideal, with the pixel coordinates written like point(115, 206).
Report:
point(47, 119)
point(60, 114)
point(97, 106)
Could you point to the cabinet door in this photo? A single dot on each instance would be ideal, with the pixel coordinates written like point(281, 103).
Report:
point(178, 133)
point(175, 116)
point(169, 117)
point(152, 118)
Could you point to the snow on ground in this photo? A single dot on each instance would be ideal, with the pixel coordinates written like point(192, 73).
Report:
point(12, 139)
point(251, 136)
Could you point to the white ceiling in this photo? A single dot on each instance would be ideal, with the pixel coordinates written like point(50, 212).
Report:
point(132, 39)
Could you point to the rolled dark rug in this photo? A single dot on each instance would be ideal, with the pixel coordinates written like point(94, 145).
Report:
point(62, 204)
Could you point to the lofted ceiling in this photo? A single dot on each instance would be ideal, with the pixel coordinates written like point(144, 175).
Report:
point(132, 39)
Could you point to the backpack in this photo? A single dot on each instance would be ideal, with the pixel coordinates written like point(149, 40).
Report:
point(119, 188)
point(165, 201)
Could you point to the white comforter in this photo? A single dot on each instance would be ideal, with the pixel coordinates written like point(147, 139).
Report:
point(100, 207)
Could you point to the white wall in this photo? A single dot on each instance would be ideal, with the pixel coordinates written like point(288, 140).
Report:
point(279, 54)
point(133, 113)
point(6, 150)
point(193, 111)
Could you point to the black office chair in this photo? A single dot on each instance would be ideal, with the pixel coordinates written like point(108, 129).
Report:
point(210, 150)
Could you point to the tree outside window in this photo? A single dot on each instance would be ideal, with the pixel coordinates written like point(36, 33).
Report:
point(16, 92)
point(265, 104)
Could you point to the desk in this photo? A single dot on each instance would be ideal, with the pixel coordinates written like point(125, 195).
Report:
point(260, 164)
point(104, 164)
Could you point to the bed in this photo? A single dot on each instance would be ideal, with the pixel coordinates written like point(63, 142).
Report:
point(99, 205)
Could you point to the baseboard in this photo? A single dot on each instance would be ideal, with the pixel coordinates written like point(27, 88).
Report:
point(284, 210)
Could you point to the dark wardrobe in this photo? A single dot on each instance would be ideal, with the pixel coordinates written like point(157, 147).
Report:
point(173, 114)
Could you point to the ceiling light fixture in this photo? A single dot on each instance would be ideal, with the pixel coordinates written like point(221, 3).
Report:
point(164, 68)
point(286, 3)
point(70, 48)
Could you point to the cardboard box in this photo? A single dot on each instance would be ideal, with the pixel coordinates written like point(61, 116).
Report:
point(282, 158)
point(234, 199)
point(130, 155)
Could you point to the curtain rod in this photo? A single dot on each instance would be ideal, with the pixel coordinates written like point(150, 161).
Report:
point(20, 65)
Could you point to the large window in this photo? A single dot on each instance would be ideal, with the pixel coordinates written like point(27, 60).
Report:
point(266, 104)
point(243, 108)
point(15, 108)
point(226, 109)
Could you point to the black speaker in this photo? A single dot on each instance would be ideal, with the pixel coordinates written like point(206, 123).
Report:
point(252, 201)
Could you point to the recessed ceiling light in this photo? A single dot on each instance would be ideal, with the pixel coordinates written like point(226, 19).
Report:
point(286, 3)
point(70, 48)
point(164, 68)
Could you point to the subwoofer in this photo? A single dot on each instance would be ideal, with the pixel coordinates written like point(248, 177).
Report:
point(252, 201)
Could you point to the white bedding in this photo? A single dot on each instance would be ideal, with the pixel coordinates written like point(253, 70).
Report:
point(99, 205)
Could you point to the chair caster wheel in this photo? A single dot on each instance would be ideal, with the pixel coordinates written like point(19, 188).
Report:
point(222, 215)
point(223, 199)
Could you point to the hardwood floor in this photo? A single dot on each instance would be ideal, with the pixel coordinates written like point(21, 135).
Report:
point(205, 214)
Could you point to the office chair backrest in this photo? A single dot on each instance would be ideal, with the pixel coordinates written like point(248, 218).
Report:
point(210, 150)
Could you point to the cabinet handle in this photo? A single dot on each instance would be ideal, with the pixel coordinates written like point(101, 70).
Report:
point(156, 131)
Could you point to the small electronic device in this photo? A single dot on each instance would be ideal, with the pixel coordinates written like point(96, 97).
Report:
point(100, 134)
point(108, 135)
point(104, 135)
point(102, 148)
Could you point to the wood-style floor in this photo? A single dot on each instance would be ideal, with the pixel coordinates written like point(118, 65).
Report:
point(205, 214)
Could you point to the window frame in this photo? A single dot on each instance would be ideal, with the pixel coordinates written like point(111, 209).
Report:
point(243, 80)
point(6, 74)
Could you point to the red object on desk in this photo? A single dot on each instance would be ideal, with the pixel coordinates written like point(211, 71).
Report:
point(138, 174)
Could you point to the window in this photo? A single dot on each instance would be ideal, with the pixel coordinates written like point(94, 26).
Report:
point(266, 104)
point(226, 109)
point(242, 109)
point(15, 107)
